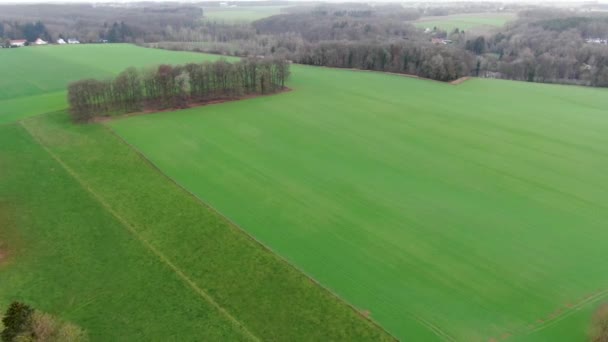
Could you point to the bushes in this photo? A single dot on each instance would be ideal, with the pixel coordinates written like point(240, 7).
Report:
point(169, 86)
point(599, 325)
point(24, 324)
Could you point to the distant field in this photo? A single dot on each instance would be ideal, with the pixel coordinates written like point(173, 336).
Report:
point(465, 21)
point(241, 13)
point(467, 213)
point(90, 231)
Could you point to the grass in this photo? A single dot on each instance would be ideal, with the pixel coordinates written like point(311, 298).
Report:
point(466, 22)
point(34, 79)
point(241, 13)
point(96, 235)
point(69, 256)
point(469, 213)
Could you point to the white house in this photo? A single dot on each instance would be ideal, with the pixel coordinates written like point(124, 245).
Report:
point(60, 41)
point(18, 42)
point(40, 42)
point(597, 41)
point(73, 41)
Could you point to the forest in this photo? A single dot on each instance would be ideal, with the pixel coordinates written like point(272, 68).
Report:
point(170, 87)
point(543, 45)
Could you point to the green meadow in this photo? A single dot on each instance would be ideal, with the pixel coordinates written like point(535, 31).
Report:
point(34, 80)
point(467, 213)
point(466, 22)
point(92, 232)
point(474, 212)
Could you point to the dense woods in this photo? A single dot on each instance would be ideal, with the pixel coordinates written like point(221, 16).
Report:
point(169, 86)
point(546, 46)
point(543, 45)
point(94, 22)
point(426, 60)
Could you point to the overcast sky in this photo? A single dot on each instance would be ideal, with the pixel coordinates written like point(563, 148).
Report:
point(124, 1)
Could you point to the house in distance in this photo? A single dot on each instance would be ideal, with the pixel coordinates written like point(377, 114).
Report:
point(18, 42)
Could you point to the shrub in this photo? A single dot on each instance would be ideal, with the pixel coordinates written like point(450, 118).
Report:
point(599, 325)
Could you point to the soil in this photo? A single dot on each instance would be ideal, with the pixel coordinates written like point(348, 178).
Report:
point(460, 80)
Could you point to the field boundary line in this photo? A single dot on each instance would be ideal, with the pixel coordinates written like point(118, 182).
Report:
point(323, 66)
point(434, 329)
point(250, 236)
point(201, 292)
point(570, 311)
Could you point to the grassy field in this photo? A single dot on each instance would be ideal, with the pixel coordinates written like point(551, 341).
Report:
point(466, 22)
point(240, 13)
point(91, 232)
point(471, 213)
point(468, 213)
point(34, 79)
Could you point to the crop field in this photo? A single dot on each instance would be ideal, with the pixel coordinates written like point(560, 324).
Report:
point(471, 213)
point(240, 13)
point(474, 21)
point(474, 212)
point(91, 232)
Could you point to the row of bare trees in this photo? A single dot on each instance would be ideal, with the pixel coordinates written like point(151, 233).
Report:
point(169, 86)
point(423, 59)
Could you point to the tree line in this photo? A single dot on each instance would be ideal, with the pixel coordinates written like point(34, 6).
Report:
point(427, 60)
point(137, 22)
point(167, 86)
point(548, 46)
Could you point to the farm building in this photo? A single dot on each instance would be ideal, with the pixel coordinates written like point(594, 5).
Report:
point(73, 41)
point(441, 41)
point(18, 42)
point(60, 41)
point(40, 42)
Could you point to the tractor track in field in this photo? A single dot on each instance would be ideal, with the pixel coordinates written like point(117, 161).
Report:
point(557, 315)
point(560, 314)
point(181, 274)
point(434, 329)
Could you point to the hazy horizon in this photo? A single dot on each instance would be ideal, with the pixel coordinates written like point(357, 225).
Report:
point(335, 1)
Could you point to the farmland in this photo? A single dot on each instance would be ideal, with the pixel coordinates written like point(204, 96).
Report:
point(474, 21)
point(463, 213)
point(240, 14)
point(38, 88)
point(419, 201)
point(93, 233)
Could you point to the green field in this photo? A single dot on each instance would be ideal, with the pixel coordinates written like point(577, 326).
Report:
point(34, 80)
point(462, 213)
point(241, 13)
point(91, 232)
point(466, 22)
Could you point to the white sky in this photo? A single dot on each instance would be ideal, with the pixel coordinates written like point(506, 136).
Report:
point(404, 1)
